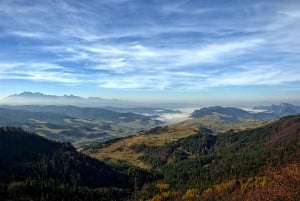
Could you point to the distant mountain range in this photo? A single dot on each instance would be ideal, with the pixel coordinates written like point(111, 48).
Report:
point(37, 98)
point(281, 109)
point(232, 114)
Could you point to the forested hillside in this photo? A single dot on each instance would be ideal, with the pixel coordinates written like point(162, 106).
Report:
point(34, 168)
point(217, 166)
point(232, 166)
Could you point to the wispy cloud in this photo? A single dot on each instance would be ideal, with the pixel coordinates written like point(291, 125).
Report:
point(39, 72)
point(259, 75)
point(170, 45)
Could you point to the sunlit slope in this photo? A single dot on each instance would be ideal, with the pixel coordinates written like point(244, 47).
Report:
point(127, 149)
point(124, 149)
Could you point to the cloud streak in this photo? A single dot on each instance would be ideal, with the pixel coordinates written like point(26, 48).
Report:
point(155, 46)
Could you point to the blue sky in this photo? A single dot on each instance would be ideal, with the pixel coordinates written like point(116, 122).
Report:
point(152, 50)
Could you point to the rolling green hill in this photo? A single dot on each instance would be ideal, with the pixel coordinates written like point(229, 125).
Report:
point(232, 114)
point(60, 122)
point(87, 113)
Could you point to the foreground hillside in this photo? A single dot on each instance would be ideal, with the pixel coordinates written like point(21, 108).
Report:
point(235, 165)
point(34, 168)
point(241, 165)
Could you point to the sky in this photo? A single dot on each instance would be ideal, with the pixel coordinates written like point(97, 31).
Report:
point(206, 51)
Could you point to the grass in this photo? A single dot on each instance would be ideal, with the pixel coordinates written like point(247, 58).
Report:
point(122, 150)
point(216, 124)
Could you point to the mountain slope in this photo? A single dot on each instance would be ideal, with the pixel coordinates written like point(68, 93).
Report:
point(231, 114)
point(130, 149)
point(205, 160)
point(201, 161)
point(34, 168)
point(22, 151)
point(124, 149)
point(235, 112)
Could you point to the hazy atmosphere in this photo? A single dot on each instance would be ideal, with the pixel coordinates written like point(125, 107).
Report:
point(154, 51)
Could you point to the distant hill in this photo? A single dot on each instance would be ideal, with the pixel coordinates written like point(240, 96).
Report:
point(281, 109)
point(86, 113)
point(231, 114)
point(149, 111)
point(74, 124)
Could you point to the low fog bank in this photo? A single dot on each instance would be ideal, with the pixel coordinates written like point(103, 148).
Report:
point(252, 110)
point(176, 117)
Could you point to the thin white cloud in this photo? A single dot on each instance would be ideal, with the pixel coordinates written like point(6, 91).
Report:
point(193, 51)
point(259, 75)
point(291, 13)
point(34, 35)
point(39, 72)
point(122, 58)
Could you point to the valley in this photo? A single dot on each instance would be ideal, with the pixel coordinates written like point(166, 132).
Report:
point(216, 153)
point(163, 163)
point(74, 124)
point(85, 125)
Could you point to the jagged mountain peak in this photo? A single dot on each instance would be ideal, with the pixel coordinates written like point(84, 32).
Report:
point(28, 94)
